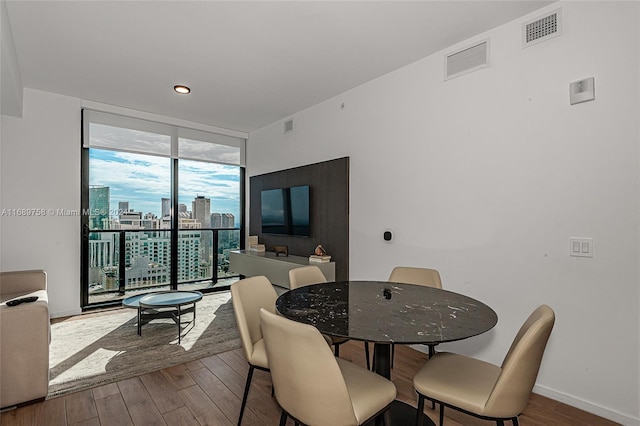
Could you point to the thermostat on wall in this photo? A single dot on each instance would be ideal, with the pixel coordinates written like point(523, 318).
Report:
point(582, 91)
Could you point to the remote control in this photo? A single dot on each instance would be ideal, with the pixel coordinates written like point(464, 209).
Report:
point(15, 302)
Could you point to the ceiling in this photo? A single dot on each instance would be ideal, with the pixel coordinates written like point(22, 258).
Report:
point(248, 64)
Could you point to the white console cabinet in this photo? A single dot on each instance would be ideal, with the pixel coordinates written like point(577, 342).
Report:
point(275, 268)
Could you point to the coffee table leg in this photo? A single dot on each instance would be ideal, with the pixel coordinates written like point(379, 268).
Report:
point(179, 334)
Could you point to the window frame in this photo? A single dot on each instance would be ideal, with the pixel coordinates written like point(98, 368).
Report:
point(177, 129)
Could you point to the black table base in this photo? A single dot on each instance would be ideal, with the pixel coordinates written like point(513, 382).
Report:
point(399, 414)
point(146, 315)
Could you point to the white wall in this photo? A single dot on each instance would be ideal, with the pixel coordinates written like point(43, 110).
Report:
point(486, 176)
point(40, 169)
point(483, 177)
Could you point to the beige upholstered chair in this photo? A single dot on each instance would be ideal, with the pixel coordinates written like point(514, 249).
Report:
point(248, 297)
point(25, 335)
point(419, 276)
point(308, 275)
point(313, 386)
point(485, 390)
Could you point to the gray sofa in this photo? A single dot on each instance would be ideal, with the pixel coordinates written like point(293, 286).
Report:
point(24, 338)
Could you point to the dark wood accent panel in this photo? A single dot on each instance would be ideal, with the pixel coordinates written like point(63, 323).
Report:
point(329, 209)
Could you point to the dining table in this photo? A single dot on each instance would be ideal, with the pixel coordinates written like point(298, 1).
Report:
point(386, 313)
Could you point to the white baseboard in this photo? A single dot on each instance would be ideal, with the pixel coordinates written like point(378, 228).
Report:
point(68, 313)
point(587, 406)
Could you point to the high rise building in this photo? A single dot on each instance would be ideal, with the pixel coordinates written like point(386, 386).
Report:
point(201, 210)
point(228, 220)
point(98, 207)
point(123, 206)
point(166, 207)
point(216, 220)
point(222, 220)
point(131, 218)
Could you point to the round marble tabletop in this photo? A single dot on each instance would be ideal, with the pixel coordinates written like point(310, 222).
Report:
point(387, 312)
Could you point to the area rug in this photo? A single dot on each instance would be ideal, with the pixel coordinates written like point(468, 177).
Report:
point(98, 349)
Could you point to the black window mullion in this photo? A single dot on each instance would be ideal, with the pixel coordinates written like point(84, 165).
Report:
point(174, 224)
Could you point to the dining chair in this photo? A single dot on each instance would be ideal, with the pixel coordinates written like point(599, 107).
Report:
point(314, 387)
point(248, 297)
point(484, 390)
point(419, 276)
point(308, 275)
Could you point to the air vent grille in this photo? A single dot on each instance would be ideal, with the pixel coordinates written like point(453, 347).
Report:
point(542, 28)
point(288, 126)
point(466, 60)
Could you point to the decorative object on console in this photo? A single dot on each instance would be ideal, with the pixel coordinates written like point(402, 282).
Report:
point(281, 250)
point(253, 244)
point(320, 255)
point(319, 259)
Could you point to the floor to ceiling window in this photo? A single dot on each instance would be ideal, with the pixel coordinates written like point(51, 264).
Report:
point(162, 207)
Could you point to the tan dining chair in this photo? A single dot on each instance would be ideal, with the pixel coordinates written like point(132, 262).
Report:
point(419, 276)
point(484, 390)
point(248, 297)
point(312, 385)
point(308, 275)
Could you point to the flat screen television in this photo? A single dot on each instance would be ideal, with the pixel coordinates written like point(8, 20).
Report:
point(285, 211)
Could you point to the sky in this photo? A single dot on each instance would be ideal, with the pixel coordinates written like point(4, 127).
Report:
point(143, 180)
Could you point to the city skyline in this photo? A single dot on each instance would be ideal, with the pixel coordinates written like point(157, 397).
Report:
point(143, 181)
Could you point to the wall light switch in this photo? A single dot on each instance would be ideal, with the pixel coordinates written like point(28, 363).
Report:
point(582, 91)
point(580, 247)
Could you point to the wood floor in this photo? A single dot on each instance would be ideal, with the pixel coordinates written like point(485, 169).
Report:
point(208, 392)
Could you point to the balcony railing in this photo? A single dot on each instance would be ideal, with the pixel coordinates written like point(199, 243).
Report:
point(122, 261)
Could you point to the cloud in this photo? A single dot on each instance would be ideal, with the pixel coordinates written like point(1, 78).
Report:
point(144, 180)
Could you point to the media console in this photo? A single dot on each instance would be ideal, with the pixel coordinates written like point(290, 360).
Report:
point(275, 268)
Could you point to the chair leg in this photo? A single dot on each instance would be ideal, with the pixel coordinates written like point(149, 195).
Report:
point(420, 410)
point(432, 352)
point(366, 354)
point(441, 414)
point(283, 418)
point(393, 353)
point(246, 393)
point(336, 350)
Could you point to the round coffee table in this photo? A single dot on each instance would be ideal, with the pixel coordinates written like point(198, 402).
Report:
point(164, 304)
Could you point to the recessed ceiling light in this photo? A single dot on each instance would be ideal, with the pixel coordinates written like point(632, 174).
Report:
point(182, 89)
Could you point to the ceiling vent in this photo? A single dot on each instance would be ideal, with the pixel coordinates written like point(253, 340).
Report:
point(288, 126)
point(542, 28)
point(466, 60)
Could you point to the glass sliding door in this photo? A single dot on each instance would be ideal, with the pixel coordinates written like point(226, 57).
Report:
point(211, 192)
point(162, 207)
